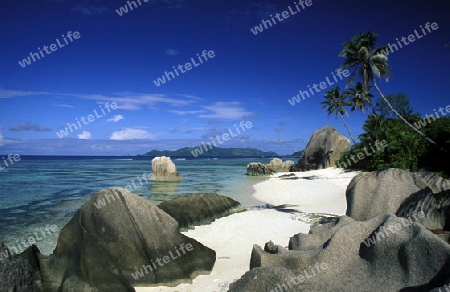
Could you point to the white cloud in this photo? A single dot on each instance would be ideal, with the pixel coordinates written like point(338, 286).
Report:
point(275, 141)
point(115, 119)
point(90, 11)
point(85, 135)
point(130, 134)
point(226, 110)
point(18, 93)
point(137, 101)
point(182, 113)
point(63, 105)
point(124, 100)
point(171, 52)
point(28, 126)
point(2, 140)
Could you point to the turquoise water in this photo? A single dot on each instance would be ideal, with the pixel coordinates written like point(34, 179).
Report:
point(40, 192)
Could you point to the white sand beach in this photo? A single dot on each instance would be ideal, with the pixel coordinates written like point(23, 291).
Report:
point(232, 237)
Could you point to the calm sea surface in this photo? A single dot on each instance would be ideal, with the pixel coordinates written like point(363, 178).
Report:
point(39, 191)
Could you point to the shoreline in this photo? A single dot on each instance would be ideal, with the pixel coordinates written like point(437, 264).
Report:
point(315, 191)
point(233, 237)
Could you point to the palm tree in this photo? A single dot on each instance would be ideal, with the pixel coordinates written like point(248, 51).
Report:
point(368, 62)
point(334, 103)
point(360, 99)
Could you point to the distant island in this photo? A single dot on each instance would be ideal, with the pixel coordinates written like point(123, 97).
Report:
point(212, 152)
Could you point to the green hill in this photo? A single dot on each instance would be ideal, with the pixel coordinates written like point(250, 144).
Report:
point(297, 154)
point(214, 151)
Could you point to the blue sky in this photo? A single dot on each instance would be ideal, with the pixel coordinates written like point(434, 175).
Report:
point(250, 78)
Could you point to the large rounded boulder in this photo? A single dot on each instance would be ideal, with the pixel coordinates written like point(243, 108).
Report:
point(258, 169)
point(400, 192)
point(118, 240)
point(385, 253)
point(200, 209)
point(324, 148)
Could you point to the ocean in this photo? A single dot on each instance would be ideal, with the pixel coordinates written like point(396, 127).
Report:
point(43, 191)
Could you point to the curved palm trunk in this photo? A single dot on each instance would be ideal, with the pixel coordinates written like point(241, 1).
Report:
point(403, 119)
point(345, 124)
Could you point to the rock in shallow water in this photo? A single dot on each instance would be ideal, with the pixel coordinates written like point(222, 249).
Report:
point(163, 169)
point(278, 165)
point(275, 165)
point(200, 209)
point(127, 242)
point(257, 169)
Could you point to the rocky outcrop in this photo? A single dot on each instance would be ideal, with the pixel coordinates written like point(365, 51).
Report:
point(257, 169)
point(278, 165)
point(163, 169)
point(324, 148)
point(200, 209)
point(400, 192)
point(275, 165)
point(435, 207)
point(124, 242)
point(19, 272)
point(386, 253)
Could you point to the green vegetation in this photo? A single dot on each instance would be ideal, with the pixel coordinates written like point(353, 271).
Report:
point(334, 103)
point(413, 143)
point(368, 63)
point(405, 149)
point(214, 152)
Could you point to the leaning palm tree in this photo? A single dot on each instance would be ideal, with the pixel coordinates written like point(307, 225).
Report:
point(334, 103)
point(368, 63)
point(359, 98)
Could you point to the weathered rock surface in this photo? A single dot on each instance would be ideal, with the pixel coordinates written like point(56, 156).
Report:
point(278, 165)
point(275, 165)
point(400, 192)
point(324, 148)
point(19, 272)
point(200, 209)
point(257, 169)
point(436, 208)
point(163, 169)
point(101, 247)
point(342, 258)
